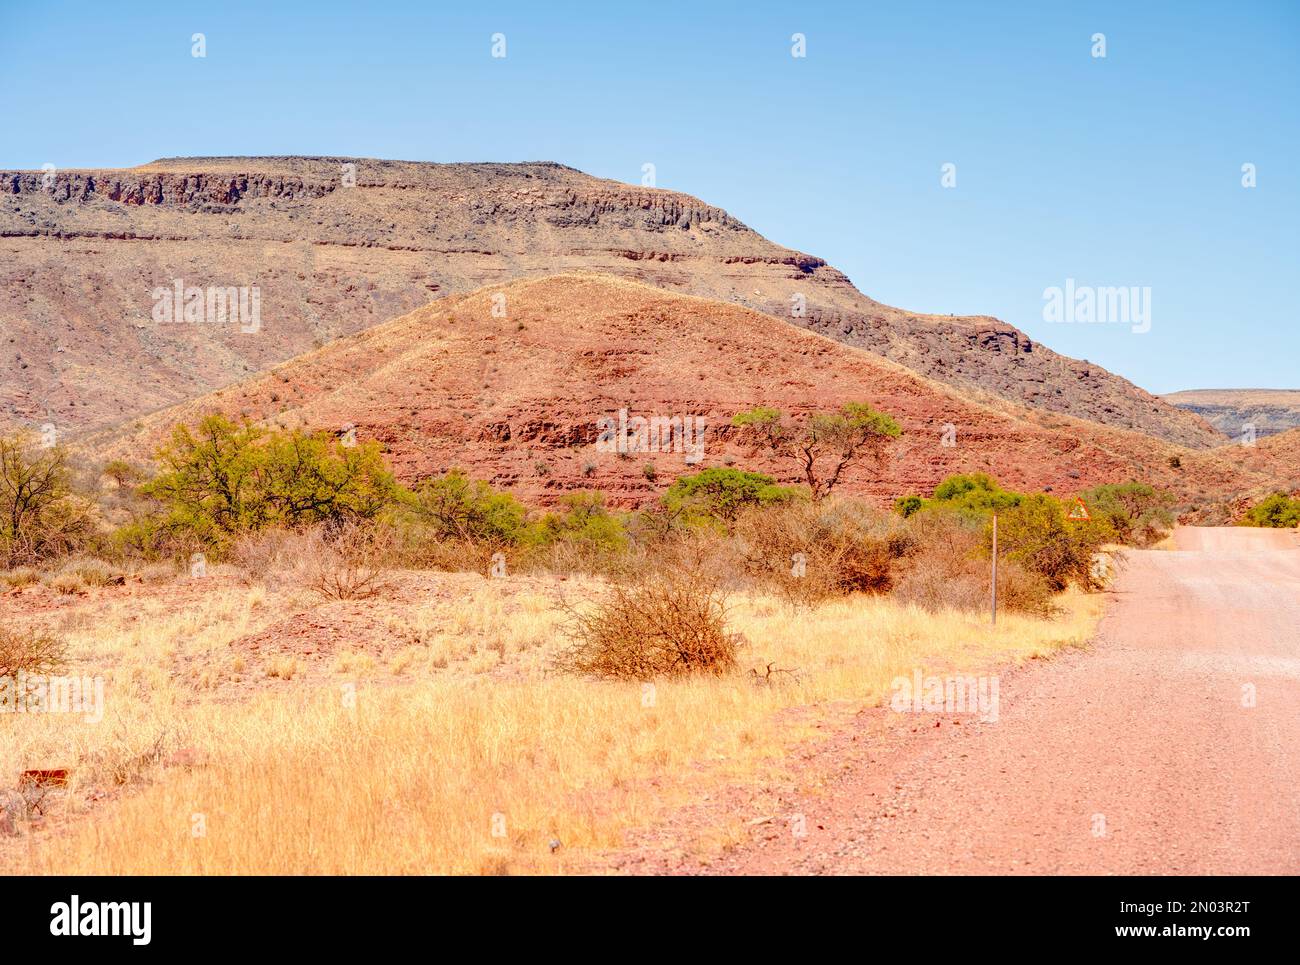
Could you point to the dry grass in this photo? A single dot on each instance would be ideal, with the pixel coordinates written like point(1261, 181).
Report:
point(470, 758)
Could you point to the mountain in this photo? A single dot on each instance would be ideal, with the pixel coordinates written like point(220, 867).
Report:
point(517, 395)
point(331, 246)
point(1230, 411)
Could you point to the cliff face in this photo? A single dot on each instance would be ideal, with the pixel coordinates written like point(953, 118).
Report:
point(336, 245)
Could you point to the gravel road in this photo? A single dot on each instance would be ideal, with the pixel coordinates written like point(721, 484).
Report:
point(1172, 746)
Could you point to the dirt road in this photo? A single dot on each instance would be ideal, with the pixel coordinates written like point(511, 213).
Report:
point(1171, 747)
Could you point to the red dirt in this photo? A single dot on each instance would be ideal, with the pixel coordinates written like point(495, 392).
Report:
point(1148, 730)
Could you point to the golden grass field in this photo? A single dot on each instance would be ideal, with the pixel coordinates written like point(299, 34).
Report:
point(431, 735)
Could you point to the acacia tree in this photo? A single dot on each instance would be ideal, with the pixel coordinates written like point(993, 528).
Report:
point(823, 444)
point(225, 478)
point(39, 514)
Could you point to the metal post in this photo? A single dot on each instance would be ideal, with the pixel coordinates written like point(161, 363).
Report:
point(994, 590)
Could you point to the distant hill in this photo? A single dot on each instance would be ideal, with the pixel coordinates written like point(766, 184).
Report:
point(336, 245)
point(1270, 411)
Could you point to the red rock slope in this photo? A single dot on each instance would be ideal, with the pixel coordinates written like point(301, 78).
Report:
point(515, 396)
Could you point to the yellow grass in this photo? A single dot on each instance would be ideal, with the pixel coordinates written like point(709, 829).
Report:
point(460, 751)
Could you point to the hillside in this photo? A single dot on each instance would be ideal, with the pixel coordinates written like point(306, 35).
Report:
point(85, 253)
point(1270, 411)
point(517, 400)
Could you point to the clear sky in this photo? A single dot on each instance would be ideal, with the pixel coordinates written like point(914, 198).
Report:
point(1116, 171)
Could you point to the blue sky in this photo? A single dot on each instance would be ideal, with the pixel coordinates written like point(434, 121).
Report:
point(1122, 171)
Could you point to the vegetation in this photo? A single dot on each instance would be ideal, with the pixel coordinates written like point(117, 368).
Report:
point(226, 478)
point(236, 491)
point(1034, 531)
point(812, 551)
point(1036, 534)
point(973, 496)
point(1277, 511)
point(30, 652)
point(1139, 514)
point(683, 651)
point(457, 507)
point(585, 521)
point(666, 625)
point(715, 497)
point(822, 444)
point(40, 514)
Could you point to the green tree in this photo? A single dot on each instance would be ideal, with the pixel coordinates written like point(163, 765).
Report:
point(822, 444)
point(972, 496)
point(462, 508)
point(223, 478)
point(1036, 534)
point(585, 520)
point(40, 515)
point(1139, 514)
point(975, 496)
point(1276, 511)
point(718, 495)
point(906, 506)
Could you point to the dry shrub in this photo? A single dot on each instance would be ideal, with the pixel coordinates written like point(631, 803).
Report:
point(342, 561)
point(350, 561)
point(453, 555)
point(812, 551)
point(68, 583)
point(950, 569)
point(92, 572)
point(30, 651)
point(569, 557)
point(21, 576)
point(270, 556)
point(669, 623)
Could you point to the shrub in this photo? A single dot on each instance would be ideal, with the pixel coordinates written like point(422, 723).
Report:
point(810, 551)
point(974, 496)
point(30, 651)
point(1037, 535)
point(40, 515)
point(349, 561)
point(223, 479)
point(123, 473)
point(586, 521)
point(950, 569)
point(1139, 514)
point(345, 561)
point(150, 537)
point(90, 572)
point(717, 496)
point(68, 583)
point(1276, 511)
point(21, 576)
point(459, 508)
point(905, 506)
point(666, 625)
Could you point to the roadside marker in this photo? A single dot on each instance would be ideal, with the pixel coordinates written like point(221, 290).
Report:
point(993, 582)
point(1080, 511)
